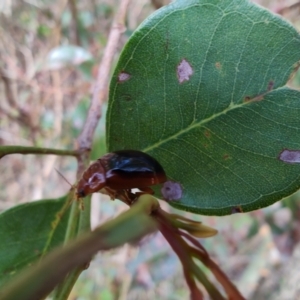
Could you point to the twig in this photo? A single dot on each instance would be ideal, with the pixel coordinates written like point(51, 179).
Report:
point(85, 138)
point(5, 150)
point(23, 117)
point(286, 8)
point(6, 113)
point(74, 23)
point(100, 90)
point(8, 91)
point(158, 3)
point(180, 247)
point(201, 254)
point(56, 31)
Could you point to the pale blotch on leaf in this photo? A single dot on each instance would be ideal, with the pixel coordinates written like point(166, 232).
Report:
point(218, 65)
point(184, 71)
point(171, 190)
point(123, 76)
point(290, 156)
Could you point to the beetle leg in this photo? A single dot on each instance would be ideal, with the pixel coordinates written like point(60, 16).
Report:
point(145, 190)
point(131, 197)
point(109, 192)
point(81, 204)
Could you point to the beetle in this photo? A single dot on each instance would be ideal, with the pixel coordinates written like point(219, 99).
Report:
point(121, 170)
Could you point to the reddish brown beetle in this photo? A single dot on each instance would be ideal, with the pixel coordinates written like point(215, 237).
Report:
point(121, 170)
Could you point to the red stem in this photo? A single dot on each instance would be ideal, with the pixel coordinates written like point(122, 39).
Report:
point(182, 249)
point(230, 289)
point(195, 292)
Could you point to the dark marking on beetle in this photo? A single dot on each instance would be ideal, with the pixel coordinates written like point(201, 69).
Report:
point(270, 85)
point(171, 190)
point(123, 76)
point(184, 71)
point(236, 209)
point(218, 65)
point(247, 98)
point(290, 156)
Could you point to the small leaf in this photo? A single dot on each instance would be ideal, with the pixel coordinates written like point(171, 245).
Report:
point(206, 96)
point(39, 280)
point(25, 231)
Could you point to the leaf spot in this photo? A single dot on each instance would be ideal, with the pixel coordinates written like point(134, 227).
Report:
point(218, 65)
point(270, 85)
point(226, 156)
point(207, 133)
point(236, 209)
point(290, 156)
point(123, 76)
point(184, 71)
point(171, 190)
point(254, 99)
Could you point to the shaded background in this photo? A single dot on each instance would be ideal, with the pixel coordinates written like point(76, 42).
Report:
point(49, 54)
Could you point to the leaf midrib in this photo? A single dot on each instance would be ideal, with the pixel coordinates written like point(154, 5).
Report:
point(193, 125)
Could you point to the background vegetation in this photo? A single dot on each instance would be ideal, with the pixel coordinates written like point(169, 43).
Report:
point(45, 88)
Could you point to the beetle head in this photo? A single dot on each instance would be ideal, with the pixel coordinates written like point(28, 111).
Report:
point(92, 181)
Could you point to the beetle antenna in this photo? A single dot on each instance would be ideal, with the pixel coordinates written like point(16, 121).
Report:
point(63, 177)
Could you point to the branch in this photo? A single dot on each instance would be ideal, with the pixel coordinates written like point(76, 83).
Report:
point(8, 91)
point(282, 10)
point(203, 256)
point(74, 32)
point(5, 150)
point(100, 90)
point(180, 232)
point(84, 140)
point(158, 3)
point(180, 247)
point(23, 117)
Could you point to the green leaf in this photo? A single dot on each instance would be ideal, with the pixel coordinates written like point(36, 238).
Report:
point(201, 86)
point(39, 280)
point(26, 232)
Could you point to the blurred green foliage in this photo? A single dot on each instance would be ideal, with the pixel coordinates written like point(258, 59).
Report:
point(32, 28)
